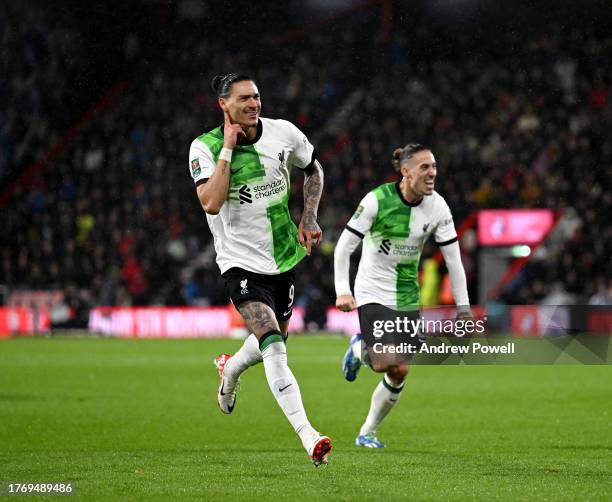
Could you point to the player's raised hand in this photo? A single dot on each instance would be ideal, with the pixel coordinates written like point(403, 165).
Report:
point(346, 303)
point(232, 133)
point(309, 233)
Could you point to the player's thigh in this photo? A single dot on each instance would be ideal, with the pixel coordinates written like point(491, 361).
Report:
point(259, 317)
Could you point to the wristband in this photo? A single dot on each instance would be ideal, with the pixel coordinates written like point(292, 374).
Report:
point(226, 155)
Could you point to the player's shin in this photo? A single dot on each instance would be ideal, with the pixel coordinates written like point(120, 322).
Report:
point(248, 355)
point(384, 398)
point(283, 384)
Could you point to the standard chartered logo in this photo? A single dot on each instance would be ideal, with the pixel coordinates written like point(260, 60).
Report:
point(405, 250)
point(269, 189)
point(385, 246)
point(246, 194)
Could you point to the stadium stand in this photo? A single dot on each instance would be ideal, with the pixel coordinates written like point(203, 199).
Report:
point(114, 219)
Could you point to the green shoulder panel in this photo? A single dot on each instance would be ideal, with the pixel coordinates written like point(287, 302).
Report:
point(245, 166)
point(393, 218)
point(214, 141)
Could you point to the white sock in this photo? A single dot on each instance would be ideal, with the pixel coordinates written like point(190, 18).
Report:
point(285, 389)
point(247, 356)
point(384, 398)
point(356, 349)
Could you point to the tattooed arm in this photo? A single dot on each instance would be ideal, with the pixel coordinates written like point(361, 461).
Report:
point(309, 229)
point(213, 193)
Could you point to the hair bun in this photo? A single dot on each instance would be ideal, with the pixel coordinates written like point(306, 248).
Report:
point(222, 84)
point(395, 160)
point(216, 82)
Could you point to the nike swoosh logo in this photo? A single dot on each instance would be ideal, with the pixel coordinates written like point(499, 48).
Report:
point(221, 391)
point(234, 171)
point(287, 386)
point(387, 227)
point(287, 313)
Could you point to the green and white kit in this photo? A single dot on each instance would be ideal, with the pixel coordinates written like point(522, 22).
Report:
point(254, 229)
point(394, 232)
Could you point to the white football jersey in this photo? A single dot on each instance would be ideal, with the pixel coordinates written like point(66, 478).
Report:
point(254, 230)
point(394, 232)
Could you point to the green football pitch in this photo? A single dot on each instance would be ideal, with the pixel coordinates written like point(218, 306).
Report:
point(138, 420)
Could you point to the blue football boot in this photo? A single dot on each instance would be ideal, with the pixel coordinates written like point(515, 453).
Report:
point(350, 363)
point(369, 441)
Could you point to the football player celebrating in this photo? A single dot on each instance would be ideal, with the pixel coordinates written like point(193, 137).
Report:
point(241, 170)
point(394, 220)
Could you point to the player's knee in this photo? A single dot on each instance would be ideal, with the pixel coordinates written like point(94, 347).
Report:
point(397, 374)
point(379, 367)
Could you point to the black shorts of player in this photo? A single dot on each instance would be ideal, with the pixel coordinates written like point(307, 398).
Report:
point(276, 291)
point(381, 325)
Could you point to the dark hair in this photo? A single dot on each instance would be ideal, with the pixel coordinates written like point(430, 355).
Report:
point(222, 84)
point(402, 154)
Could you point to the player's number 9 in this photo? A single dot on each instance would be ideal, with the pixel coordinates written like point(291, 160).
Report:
point(291, 295)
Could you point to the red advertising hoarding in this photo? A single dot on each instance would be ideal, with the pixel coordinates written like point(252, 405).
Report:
point(170, 322)
point(23, 321)
point(509, 227)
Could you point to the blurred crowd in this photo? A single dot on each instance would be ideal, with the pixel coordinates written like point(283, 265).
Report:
point(526, 129)
point(114, 220)
point(39, 61)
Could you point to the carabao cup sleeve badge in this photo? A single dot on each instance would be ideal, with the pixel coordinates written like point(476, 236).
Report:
point(196, 170)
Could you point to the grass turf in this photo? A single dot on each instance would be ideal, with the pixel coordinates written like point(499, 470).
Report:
point(138, 419)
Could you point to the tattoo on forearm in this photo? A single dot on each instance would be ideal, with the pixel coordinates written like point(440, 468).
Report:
point(313, 188)
point(258, 316)
point(224, 168)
